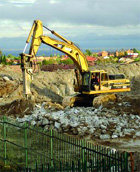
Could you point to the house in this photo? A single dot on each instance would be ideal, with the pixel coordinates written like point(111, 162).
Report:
point(120, 53)
point(132, 55)
point(116, 53)
point(103, 53)
point(110, 54)
point(91, 60)
point(64, 57)
point(129, 51)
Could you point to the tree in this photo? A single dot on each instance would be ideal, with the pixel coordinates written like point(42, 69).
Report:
point(135, 50)
point(43, 55)
point(3, 60)
point(126, 54)
point(0, 53)
point(47, 62)
point(10, 56)
point(58, 60)
point(88, 52)
point(68, 61)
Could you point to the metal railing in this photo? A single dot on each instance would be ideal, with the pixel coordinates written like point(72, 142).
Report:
point(28, 147)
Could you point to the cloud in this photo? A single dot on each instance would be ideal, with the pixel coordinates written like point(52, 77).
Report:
point(10, 28)
point(21, 1)
point(54, 1)
point(16, 3)
point(74, 19)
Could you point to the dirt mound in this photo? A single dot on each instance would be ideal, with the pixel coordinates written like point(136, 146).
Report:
point(18, 107)
point(49, 87)
point(53, 86)
point(7, 86)
point(128, 104)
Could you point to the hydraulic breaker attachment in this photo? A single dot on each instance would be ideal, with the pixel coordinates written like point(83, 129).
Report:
point(27, 73)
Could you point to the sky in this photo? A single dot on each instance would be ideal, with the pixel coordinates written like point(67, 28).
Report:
point(91, 24)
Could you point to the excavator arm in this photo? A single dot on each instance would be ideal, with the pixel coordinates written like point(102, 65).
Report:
point(64, 46)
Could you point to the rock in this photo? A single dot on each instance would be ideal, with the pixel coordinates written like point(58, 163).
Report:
point(118, 129)
point(126, 104)
point(6, 78)
point(114, 136)
point(47, 115)
point(76, 111)
point(57, 125)
point(46, 128)
point(137, 134)
point(104, 99)
point(34, 116)
point(45, 121)
point(64, 122)
point(104, 136)
point(121, 134)
point(38, 106)
point(132, 116)
point(21, 120)
point(103, 127)
point(91, 130)
point(128, 131)
point(136, 127)
point(40, 117)
point(100, 108)
point(124, 115)
point(82, 130)
point(50, 105)
point(96, 110)
point(33, 123)
point(103, 131)
point(74, 124)
point(51, 122)
point(39, 123)
point(74, 131)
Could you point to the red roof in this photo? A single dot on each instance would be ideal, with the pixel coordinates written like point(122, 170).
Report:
point(90, 58)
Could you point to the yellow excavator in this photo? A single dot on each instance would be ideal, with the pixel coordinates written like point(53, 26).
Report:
point(89, 83)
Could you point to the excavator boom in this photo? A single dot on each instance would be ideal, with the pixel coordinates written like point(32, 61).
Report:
point(65, 46)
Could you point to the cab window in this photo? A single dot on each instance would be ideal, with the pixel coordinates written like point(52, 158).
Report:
point(121, 76)
point(112, 77)
point(86, 77)
point(104, 77)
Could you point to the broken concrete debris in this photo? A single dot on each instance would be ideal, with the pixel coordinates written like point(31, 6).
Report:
point(86, 121)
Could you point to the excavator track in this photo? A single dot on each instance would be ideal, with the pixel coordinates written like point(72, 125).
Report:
point(78, 100)
point(84, 100)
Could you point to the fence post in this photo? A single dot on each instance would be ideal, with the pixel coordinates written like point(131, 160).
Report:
point(73, 166)
point(51, 148)
point(4, 137)
point(126, 161)
point(25, 144)
point(79, 166)
point(83, 153)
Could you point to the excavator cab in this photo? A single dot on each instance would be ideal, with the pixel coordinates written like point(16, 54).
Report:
point(91, 81)
point(96, 82)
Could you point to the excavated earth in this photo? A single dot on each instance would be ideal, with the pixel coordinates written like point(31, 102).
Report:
point(117, 124)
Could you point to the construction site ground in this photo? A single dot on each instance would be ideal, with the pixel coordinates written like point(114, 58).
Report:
point(51, 87)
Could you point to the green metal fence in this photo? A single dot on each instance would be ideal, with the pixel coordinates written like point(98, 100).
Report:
point(28, 147)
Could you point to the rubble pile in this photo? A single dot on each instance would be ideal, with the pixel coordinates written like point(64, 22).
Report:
point(94, 122)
